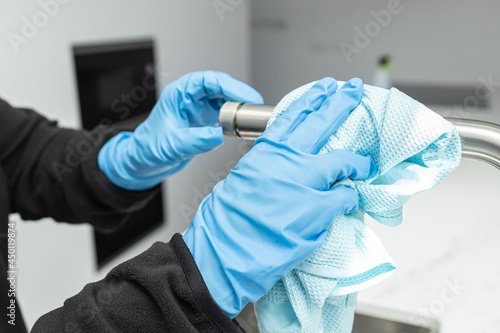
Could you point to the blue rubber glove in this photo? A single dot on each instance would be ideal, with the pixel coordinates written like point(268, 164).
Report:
point(180, 126)
point(272, 211)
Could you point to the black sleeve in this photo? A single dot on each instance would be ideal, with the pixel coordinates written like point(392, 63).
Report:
point(53, 172)
point(161, 290)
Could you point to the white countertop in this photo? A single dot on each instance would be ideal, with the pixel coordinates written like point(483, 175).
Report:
point(448, 255)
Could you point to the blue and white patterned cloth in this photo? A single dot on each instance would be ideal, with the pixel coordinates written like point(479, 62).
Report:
point(414, 149)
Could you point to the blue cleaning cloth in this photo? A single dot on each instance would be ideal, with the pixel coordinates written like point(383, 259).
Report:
point(414, 149)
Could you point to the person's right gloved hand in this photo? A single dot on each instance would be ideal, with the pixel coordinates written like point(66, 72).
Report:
point(181, 125)
point(272, 211)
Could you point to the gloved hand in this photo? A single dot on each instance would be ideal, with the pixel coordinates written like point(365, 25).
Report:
point(272, 211)
point(180, 126)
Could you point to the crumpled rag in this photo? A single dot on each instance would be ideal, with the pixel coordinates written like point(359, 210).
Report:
point(414, 149)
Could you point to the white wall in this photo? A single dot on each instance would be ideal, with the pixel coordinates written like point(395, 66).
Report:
point(56, 261)
point(433, 42)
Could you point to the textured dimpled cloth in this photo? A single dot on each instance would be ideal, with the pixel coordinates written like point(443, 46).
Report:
point(414, 149)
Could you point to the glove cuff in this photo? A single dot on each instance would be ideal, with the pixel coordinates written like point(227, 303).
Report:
point(198, 241)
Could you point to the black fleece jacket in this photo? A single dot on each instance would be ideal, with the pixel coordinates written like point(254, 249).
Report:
point(50, 171)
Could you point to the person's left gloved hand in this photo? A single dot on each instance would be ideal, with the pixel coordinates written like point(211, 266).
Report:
point(181, 125)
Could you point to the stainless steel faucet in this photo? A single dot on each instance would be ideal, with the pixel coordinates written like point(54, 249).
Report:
point(480, 139)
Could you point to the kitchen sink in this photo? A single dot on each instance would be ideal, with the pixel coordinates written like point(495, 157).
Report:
point(388, 319)
point(368, 324)
point(368, 319)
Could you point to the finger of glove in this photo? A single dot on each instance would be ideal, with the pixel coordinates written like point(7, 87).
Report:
point(313, 133)
point(217, 85)
point(299, 109)
point(198, 140)
point(340, 164)
point(344, 200)
point(333, 203)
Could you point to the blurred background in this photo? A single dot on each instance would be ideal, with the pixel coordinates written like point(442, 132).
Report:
point(76, 62)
